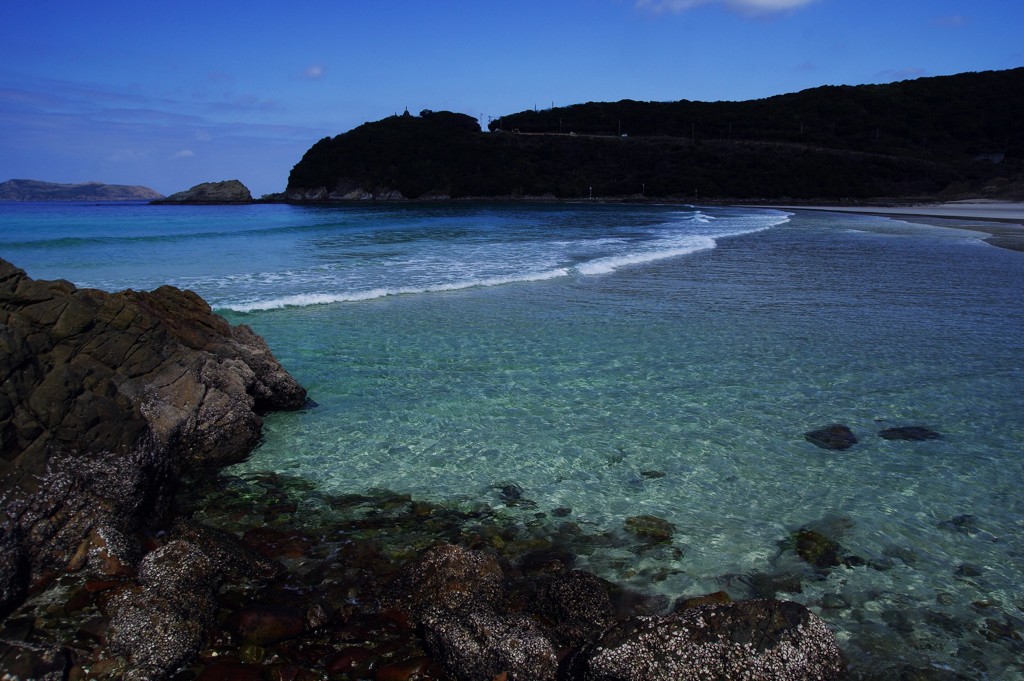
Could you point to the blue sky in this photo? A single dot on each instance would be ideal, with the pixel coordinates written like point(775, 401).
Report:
point(172, 94)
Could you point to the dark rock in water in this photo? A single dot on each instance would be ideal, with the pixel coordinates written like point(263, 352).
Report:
point(911, 673)
point(834, 602)
point(106, 399)
point(447, 578)
point(509, 492)
point(14, 567)
point(228, 191)
point(482, 645)
point(835, 436)
point(716, 598)
point(512, 495)
point(1007, 629)
point(967, 571)
point(577, 604)
point(967, 524)
point(552, 559)
point(823, 552)
point(758, 640)
point(22, 660)
point(230, 671)
point(404, 670)
point(817, 549)
point(273, 544)
point(764, 584)
point(650, 527)
point(263, 624)
point(916, 433)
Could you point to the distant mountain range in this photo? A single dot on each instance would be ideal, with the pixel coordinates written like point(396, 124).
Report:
point(944, 136)
point(34, 190)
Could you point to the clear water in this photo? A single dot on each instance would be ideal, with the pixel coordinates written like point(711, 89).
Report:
point(453, 349)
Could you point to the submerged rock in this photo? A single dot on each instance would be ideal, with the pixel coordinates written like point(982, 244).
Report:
point(23, 660)
point(717, 598)
point(821, 551)
point(650, 527)
point(915, 433)
point(755, 640)
point(817, 549)
point(836, 436)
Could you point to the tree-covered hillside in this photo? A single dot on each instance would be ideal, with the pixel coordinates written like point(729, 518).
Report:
point(916, 137)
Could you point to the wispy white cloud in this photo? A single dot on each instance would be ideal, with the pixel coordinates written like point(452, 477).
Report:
point(126, 155)
point(748, 7)
point(314, 72)
point(951, 21)
point(184, 153)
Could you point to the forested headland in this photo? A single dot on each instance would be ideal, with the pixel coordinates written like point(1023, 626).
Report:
point(943, 136)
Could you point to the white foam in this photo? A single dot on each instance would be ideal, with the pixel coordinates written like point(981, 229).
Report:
point(433, 271)
point(307, 299)
point(610, 264)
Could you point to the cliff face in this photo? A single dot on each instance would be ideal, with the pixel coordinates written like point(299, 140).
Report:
point(228, 191)
point(105, 400)
point(33, 190)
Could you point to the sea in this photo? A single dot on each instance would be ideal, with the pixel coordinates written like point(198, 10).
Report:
point(591, 363)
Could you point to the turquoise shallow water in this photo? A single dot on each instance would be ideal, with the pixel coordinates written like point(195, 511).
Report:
point(569, 349)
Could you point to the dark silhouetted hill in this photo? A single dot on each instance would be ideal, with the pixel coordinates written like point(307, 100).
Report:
point(34, 190)
point(930, 136)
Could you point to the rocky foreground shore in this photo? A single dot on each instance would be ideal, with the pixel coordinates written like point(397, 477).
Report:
point(122, 556)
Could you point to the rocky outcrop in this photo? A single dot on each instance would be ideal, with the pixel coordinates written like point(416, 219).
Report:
point(760, 640)
point(34, 190)
point(228, 191)
point(467, 609)
point(344, 191)
point(105, 399)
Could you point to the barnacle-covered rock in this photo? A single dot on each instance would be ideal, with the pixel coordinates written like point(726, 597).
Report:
point(447, 578)
point(763, 640)
point(160, 622)
point(482, 645)
point(577, 606)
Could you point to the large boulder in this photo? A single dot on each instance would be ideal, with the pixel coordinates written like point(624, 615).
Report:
point(105, 399)
point(227, 191)
point(447, 578)
point(482, 645)
point(160, 622)
point(762, 640)
point(576, 605)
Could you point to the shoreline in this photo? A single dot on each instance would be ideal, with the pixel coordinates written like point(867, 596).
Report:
point(1003, 221)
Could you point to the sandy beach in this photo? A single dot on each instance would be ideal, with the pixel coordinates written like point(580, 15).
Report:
point(1002, 221)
